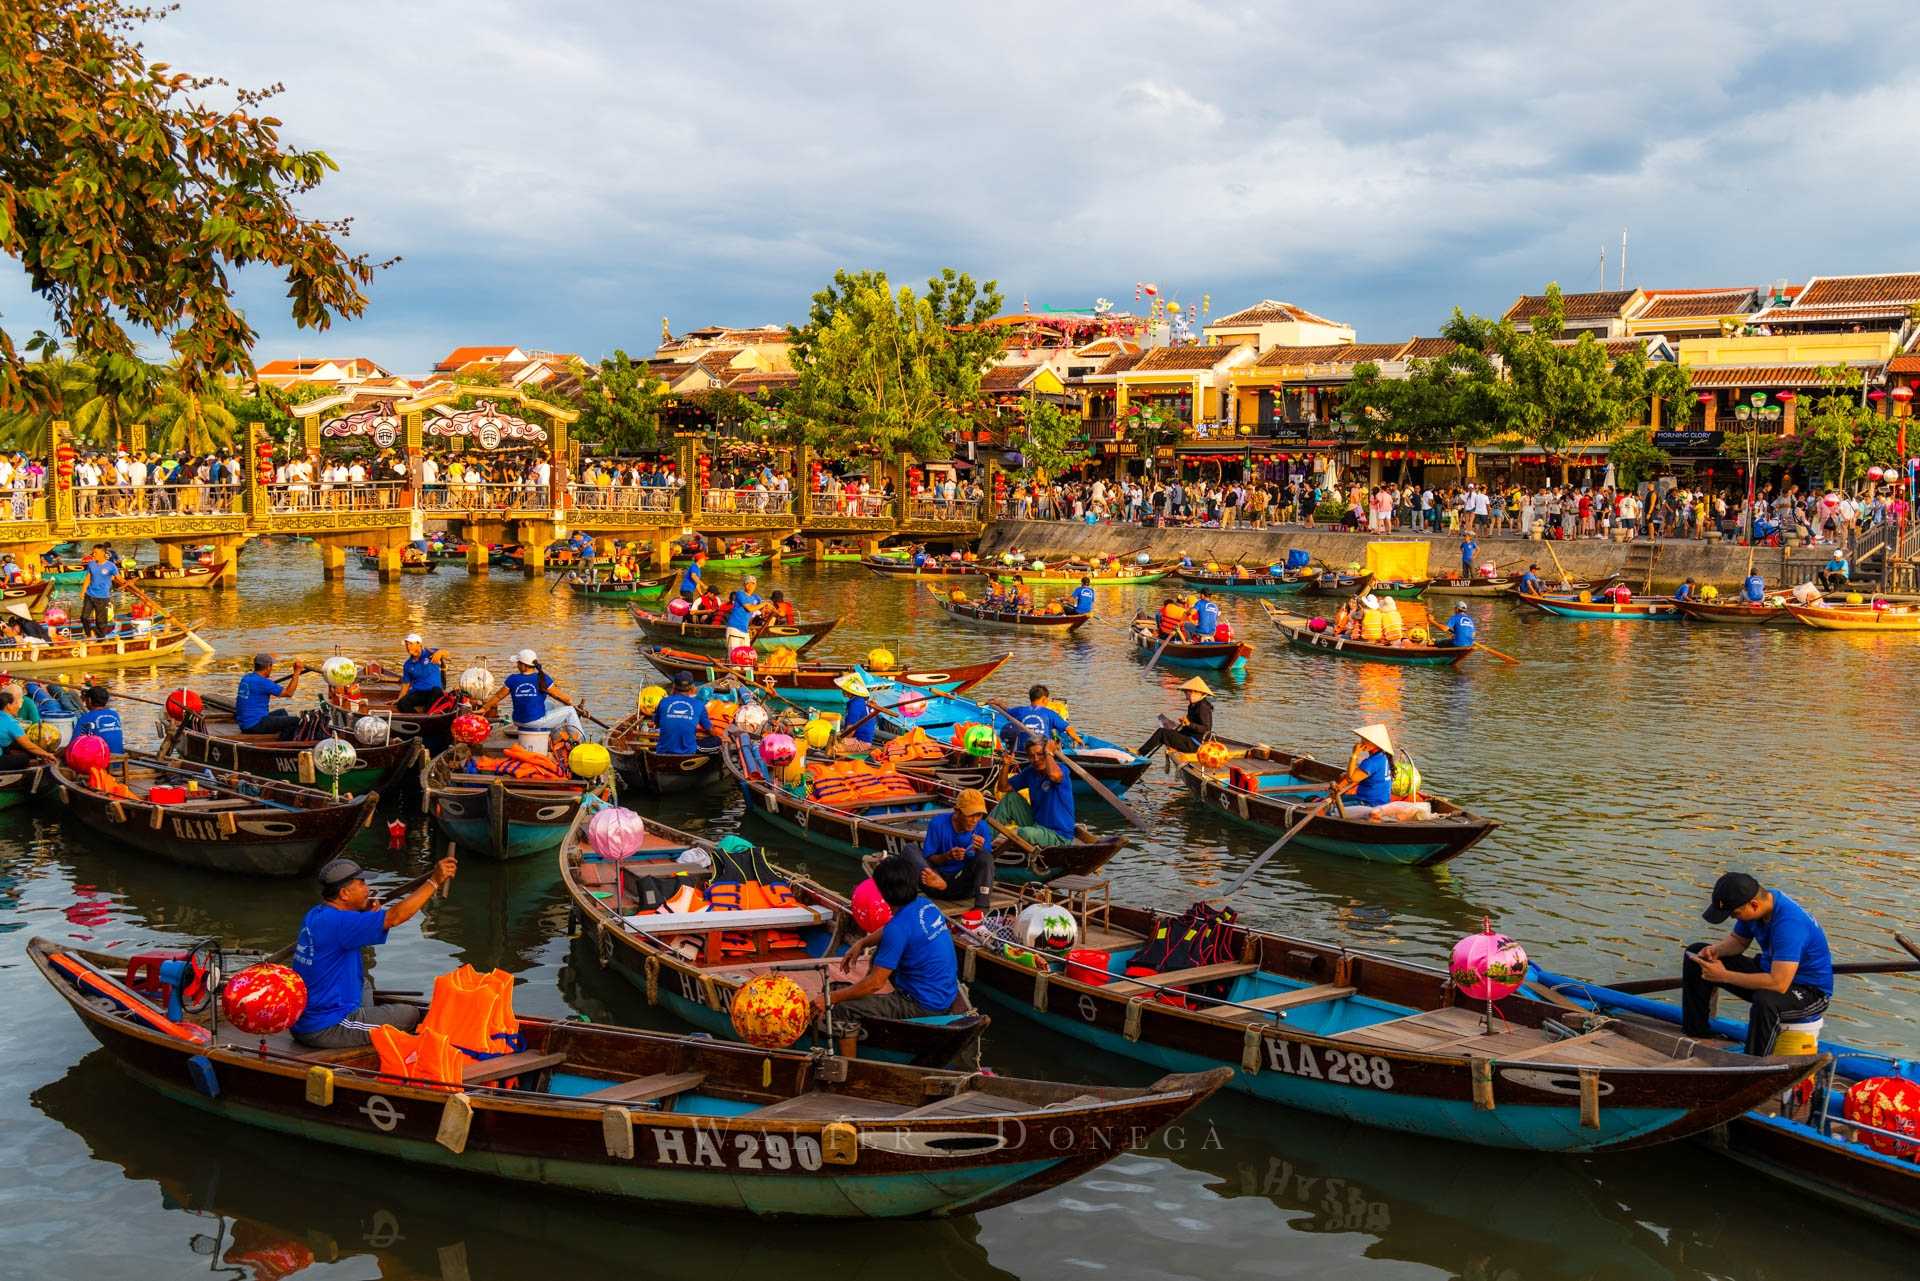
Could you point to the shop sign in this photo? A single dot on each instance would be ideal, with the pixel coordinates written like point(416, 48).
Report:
point(1671, 440)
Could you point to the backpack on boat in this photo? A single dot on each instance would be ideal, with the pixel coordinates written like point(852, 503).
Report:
point(1201, 935)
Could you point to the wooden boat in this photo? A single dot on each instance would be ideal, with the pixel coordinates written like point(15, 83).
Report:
point(759, 560)
point(934, 568)
point(1371, 1039)
point(1272, 790)
point(1179, 653)
point(694, 963)
point(813, 682)
point(64, 574)
point(1050, 624)
point(17, 786)
point(631, 743)
point(660, 629)
point(835, 554)
point(498, 816)
point(1331, 583)
point(1640, 609)
point(1264, 583)
point(646, 1116)
point(448, 550)
point(1858, 618)
point(616, 592)
point(1498, 585)
point(1114, 766)
point(33, 595)
point(1824, 1154)
point(228, 822)
point(1302, 637)
point(883, 828)
point(219, 742)
point(371, 698)
point(167, 578)
point(125, 645)
point(425, 565)
point(1751, 613)
point(1069, 575)
point(506, 555)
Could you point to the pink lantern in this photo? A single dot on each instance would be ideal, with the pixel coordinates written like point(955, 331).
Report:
point(264, 999)
point(1874, 473)
point(616, 833)
point(777, 749)
point(1876, 395)
point(89, 752)
point(54, 617)
point(1487, 966)
point(870, 910)
point(912, 707)
point(740, 656)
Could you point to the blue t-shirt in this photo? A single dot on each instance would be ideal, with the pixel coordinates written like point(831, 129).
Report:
point(1206, 617)
point(1052, 803)
point(423, 673)
point(1377, 787)
point(11, 730)
point(327, 956)
point(253, 699)
point(1756, 588)
point(1083, 600)
point(100, 576)
point(917, 948)
point(1467, 549)
point(1529, 583)
point(681, 719)
point(942, 839)
point(529, 693)
point(1463, 630)
point(739, 611)
point(1044, 722)
point(44, 700)
point(106, 723)
point(857, 709)
point(689, 581)
point(1789, 933)
point(1683, 592)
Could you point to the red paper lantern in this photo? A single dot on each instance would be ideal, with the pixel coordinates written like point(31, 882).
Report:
point(1887, 1103)
point(264, 1000)
point(1902, 394)
point(1787, 397)
point(1876, 395)
point(1705, 398)
point(470, 728)
point(181, 702)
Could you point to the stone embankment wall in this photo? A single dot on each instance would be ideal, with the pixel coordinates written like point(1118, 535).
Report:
point(1584, 558)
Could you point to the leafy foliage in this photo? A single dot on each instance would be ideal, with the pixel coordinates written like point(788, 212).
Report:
point(620, 406)
point(1635, 457)
point(1841, 436)
point(129, 197)
point(1051, 438)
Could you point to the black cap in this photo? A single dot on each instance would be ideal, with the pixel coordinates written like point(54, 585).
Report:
point(683, 680)
point(338, 872)
point(1735, 889)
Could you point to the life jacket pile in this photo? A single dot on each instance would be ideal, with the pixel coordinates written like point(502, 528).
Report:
point(842, 783)
point(751, 896)
point(470, 1018)
point(1199, 936)
point(519, 762)
point(721, 714)
point(915, 745)
point(100, 781)
point(1172, 615)
point(425, 1057)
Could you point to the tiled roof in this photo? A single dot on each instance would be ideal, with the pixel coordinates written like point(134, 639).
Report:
point(1107, 346)
point(1614, 347)
point(467, 355)
point(1665, 304)
point(1346, 353)
point(1121, 363)
point(720, 358)
point(1429, 348)
point(1007, 377)
point(758, 380)
point(1853, 291)
point(1269, 311)
point(1707, 377)
point(1531, 307)
point(1836, 315)
point(1187, 356)
point(1904, 365)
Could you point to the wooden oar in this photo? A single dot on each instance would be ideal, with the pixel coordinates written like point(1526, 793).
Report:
point(171, 617)
point(1908, 944)
point(1505, 658)
point(1637, 987)
point(1260, 859)
point(567, 577)
point(1100, 789)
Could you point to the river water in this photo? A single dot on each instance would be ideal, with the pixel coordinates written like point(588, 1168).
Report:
point(1629, 763)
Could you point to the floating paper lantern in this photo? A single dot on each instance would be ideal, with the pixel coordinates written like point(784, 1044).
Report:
point(264, 1000)
point(616, 832)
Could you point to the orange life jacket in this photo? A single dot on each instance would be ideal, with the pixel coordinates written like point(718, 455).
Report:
point(101, 781)
point(1171, 617)
point(427, 1057)
point(474, 1011)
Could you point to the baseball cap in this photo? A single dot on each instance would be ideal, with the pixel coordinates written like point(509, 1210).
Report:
point(412, 638)
point(1735, 889)
point(526, 658)
point(338, 872)
point(683, 680)
point(970, 801)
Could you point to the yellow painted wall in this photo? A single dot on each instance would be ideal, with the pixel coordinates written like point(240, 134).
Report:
point(1048, 383)
point(1788, 349)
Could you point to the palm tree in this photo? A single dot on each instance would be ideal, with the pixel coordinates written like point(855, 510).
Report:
point(52, 387)
point(117, 394)
point(192, 420)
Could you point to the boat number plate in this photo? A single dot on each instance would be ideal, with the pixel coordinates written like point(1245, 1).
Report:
point(769, 1151)
point(1335, 1067)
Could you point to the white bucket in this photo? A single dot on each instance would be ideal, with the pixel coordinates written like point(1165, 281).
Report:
point(1799, 1039)
point(534, 740)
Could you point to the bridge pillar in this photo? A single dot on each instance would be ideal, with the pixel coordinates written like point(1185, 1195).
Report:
point(534, 563)
point(388, 558)
point(333, 561)
point(870, 544)
point(477, 556)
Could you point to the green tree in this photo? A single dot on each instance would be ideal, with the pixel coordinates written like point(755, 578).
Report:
point(620, 406)
point(49, 389)
point(130, 198)
point(1842, 437)
point(1461, 397)
point(118, 393)
point(1635, 457)
point(1050, 438)
point(188, 416)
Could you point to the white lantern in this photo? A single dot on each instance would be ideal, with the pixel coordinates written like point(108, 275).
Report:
point(751, 719)
point(373, 730)
point(340, 671)
point(334, 757)
point(476, 683)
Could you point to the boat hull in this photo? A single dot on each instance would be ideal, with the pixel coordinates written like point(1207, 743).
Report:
point(1252, 585)
point(17, 787)
point(118, 650)
point(1047, 624)
point(381, 767)
point(658, 629)
point(1207, 656)
point(1641, 609)
point(1305, 639)
point(1857, 618)
point(1699, 611)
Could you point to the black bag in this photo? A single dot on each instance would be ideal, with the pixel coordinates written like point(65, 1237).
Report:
point(1201, 935)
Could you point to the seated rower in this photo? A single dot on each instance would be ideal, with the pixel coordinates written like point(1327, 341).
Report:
point(101, 720)
point(1369, 773)
point(956, 856)
point(1195, 727)
point(707, 608)
point(1754, 589)
point(913, 952)
point(1530, 583)
point(423, 677)
point(1792, 978)
point(1081, 602)
point(253, 708)
point(780, 611)
point(859, 721)
point(1203, 620)
point(1045, 816)
point(340, 1012)
point(1687, 590)
point(745, 611)
point(1173, 616)
point(530, 688)
point(681, 719)
point(17, 751)
point(1461, 628)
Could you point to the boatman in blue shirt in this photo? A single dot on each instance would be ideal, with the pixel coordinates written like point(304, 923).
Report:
point(1791, 980)
point(1369, 777)
point(957, 854)
point(859, 722)
point(96, 601)
point(1203, 619)
point(1755, 589)
point(340, 1012)
point(744, 608)
point(102, 720)
point(913, 953)
point(1468, 548)
point(692, 579)
point(1039, 719)
point(1461, 626)
point(531, 689)
point(1529, 583)
point(681, 719)
point(253, 701)
point(1688, 590)
point(1082, 597)
point(1044, 816)
point(423, 677)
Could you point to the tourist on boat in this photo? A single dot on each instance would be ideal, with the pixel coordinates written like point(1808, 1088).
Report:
point(9, 570)
point(1173, 616)
point(1530, 581)
point(1203, 620)
point(692, 579)
point(423, 677)
point(1835, 573)
point(1082, 598)
point(744, 608)
point(957, 853)
point(1688, 590)
point(1790, 981)
point(1195, 727)
point(1041, 719)
point(707, 608)
point(682, 718)
point(17, 751)
point(340, 1012)
point(21, 622)
point(1370, 769)
point(914, 974)
point(1044, 816)
point(1754, 589)
point(253, 708)
point(530, 688)
point(101, 720)
point(1460, 628)
point(780, 611)
point(1467, 549)
point(96, 599)
point(858, 722)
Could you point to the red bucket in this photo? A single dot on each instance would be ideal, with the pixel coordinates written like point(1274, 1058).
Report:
point(1089, 965)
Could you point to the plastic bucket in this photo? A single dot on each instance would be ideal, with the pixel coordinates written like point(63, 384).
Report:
point(534, 740)
point(1797, 1039)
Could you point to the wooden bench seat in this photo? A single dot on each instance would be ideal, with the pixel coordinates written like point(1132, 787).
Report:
point(647, 1089)
point(970, 1103)
point(820, 1105)
point(1181, 978)
point(763, 918)
point(1255, 1007)
point(487, 1071)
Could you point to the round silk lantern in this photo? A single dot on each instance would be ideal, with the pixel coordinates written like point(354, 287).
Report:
point(1212, 753)
point(470, 728)
point(264, 1000)
point(776, 749)
point(880, 660)
point(751, 719)
point(741, 656)
point(182, 703)
point(913, 707)
point(679, 607)
point(334, 756)
point(373, 730)
point(870, 908)
point(1887, 1103)
point(340, 671)
point(1047, 925)
point(589, 760)
point(771, 1012)
point(1709, 592)
point(476, 683)
point(54, 617)
point(45, 734)
point(1488, 966)
point(978, 740)
point(1316, 624)
point(1144, 559)
point(819, 734)
point(650, 698)
point(616, 832)
point(89, 752)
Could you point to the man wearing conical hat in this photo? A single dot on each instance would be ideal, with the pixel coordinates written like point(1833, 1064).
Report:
point(1194, 728)
point(1369, 778)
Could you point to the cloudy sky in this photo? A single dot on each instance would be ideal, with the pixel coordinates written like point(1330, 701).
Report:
point(563, 174)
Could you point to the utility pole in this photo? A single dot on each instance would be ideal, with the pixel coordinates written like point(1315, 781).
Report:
point(1623, 257)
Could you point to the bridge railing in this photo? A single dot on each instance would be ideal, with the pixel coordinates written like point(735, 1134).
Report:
point(926, 507)
point(133, 502)
point(486, 498)
point(24, 502)
point(753, 502)
point(871, 506)
point(320, 497)
point(625, 498)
